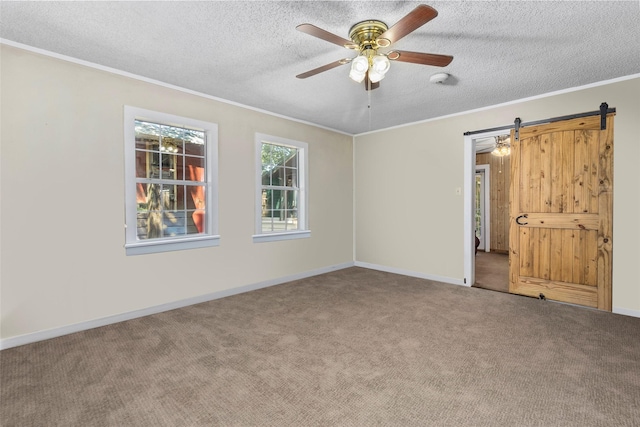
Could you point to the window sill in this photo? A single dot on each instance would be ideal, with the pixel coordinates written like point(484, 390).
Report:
point(274, 237)
point(152, 247)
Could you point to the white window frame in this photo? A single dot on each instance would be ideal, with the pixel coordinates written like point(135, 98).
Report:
point(210, 237)
point(303, 230)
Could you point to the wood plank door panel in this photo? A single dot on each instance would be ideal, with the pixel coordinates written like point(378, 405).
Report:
point(561, 207)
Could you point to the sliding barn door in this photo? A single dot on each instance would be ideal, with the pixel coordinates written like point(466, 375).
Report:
point(560, 234)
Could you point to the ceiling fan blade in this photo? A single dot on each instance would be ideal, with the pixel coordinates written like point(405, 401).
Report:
point(326, 35)
point(413, 20)
point(323, 68)
point(421, 58)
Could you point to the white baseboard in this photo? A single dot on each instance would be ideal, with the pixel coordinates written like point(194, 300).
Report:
point(410, 273)
point(626, 311)
point(104, 321)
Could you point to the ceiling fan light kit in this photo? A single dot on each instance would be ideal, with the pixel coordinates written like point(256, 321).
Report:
point(369, 36)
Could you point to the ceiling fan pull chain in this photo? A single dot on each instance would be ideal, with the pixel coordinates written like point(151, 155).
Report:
point(369, 102)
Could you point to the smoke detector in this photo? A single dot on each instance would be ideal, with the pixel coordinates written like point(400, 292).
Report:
point(439, 78)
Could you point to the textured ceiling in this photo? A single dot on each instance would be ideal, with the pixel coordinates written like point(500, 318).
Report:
point(250, 52)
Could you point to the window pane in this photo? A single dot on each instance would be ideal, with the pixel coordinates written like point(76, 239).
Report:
point(141, 164)
point(273, 220)
point(266, 201)
point(141, 226)
point(195, 224)
point(147, 135)
point(292, 177)
point(277, 177)
point(153, 165)
point(193, 148)
point(282, 155)
point(194, 169)
point(267, 214)
point(292, 220)
point(170, 145)
point(179, 168)
point(267, 164)
point(266, 178)
point(278, 155)
point(196, 197)
point(291, 199)
point(141, 197)
point(152, 227)
point(293, 159)
point(168, 166)
point(174, 223)
point(277, 199)
point(267, 220)
point(179, 197)
point(278, 221)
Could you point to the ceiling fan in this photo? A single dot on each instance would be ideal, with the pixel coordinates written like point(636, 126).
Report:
point(367, 37)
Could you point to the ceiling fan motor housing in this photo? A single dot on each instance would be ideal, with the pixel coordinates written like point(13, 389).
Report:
point(365, 34)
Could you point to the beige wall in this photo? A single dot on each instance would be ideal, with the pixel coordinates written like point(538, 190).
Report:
point(409, 218)
point(62, 217)
point(62, 186)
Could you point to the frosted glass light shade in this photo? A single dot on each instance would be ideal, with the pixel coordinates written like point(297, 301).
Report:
point(379, 66)
point(359, 67)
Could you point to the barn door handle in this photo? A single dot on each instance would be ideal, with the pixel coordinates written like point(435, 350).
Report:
point(522, 216)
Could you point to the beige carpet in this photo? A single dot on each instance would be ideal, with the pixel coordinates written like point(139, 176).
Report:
point(492, 271)
point(355, 347)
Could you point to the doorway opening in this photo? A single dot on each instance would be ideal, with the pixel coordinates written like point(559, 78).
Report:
point(491, 259)
point(486, 212)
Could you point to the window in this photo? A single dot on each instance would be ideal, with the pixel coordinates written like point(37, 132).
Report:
point(281, 196)
point(171, 182)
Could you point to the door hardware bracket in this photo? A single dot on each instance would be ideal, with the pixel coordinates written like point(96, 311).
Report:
point(517, 123)
point(604, 107)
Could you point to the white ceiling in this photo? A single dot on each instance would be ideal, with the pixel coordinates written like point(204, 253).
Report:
point(250, 52)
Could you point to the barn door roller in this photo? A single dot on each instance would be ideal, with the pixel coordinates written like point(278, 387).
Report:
point(604, 107)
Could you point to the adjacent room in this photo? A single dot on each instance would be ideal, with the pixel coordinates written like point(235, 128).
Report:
point(240, 213)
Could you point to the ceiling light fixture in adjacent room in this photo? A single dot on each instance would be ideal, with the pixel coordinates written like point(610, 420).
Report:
point(503, 146)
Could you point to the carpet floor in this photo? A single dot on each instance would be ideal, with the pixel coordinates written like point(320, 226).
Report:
point(355, 347)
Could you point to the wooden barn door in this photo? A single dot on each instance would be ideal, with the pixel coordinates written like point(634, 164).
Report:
point(560, 233)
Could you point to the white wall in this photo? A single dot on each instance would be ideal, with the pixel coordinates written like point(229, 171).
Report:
point(408, 217)
point(62, 214)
